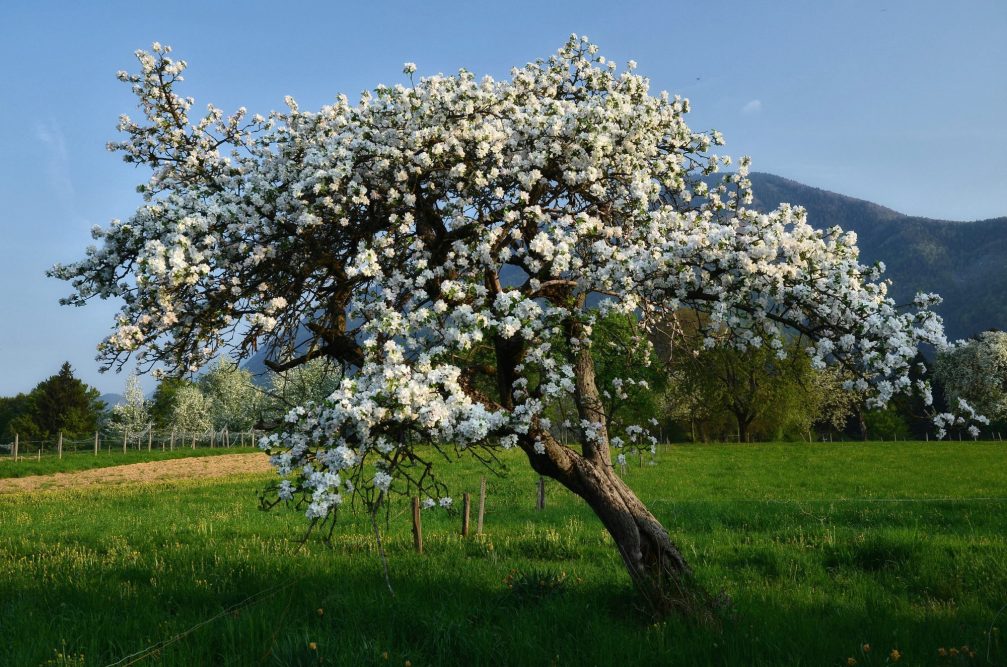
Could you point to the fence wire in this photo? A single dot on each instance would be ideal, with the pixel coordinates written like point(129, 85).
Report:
point(112, 441)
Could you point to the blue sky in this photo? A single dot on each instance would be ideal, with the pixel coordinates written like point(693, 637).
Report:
point(902, 103)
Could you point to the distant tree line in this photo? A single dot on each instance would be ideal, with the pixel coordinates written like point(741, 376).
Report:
point(224, 397)
point(702, 389)
point(707, 388)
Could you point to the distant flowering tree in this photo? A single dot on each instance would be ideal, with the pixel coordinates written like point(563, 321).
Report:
point(190, 410)
point(313, 381)
point(441, 240)
point(233, 400)
point(133, 414)
point(975, 371)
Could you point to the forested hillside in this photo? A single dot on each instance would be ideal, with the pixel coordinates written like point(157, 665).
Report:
point(962, 261)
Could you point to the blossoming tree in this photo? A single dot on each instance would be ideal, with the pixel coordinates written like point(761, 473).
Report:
point(443, 241)
point(975, 371)
point(133, 414)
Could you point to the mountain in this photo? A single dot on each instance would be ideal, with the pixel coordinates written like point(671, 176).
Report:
point(964, 262)
point(256, 364)
point(111, 400)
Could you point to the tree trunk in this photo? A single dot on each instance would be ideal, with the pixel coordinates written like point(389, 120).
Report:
point(744, 420)
point(655, 565)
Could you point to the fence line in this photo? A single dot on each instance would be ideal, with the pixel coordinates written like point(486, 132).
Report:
point(108, 441)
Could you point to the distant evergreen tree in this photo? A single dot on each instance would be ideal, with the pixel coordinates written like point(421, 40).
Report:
point(12, 412)
point(60, 403)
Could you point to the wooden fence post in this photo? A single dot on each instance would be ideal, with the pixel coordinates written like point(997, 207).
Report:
point(125, 434)
point(482, 505)
point(417, 526)
point(96, 443)
point(172, 446)
point(466, 510)
point(16, 436)
point(540, 503)
point(59, 445)
point(39, 453)
point(150, 437)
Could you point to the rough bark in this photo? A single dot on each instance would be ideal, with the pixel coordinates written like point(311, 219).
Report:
point(654, 563)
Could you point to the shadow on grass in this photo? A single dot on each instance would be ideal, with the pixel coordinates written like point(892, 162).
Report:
point(534, 614)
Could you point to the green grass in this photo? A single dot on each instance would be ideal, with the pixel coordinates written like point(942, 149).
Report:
point(823, 548)
point(50, 463)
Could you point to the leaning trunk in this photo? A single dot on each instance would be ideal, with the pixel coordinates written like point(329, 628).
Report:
point(655, 565)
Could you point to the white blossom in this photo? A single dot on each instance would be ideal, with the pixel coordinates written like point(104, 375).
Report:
point(388, 229)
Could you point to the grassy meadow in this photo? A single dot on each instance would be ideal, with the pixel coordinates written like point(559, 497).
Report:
point(823, 549)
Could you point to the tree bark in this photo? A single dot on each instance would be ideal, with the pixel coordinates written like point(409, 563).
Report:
point(654, 563)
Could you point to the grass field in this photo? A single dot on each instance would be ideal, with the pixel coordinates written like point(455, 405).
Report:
point(72, 462)
point(823, 548)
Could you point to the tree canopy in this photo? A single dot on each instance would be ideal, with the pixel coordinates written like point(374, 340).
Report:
point(451, 242)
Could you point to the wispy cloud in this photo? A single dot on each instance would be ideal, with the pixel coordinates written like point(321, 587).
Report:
point(753, 106)
point(57, 163)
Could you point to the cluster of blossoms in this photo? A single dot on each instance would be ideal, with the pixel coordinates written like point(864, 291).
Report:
point(964, 416)
point(973, 373)
point(445, 240)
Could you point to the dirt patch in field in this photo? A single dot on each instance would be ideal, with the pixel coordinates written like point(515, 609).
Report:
point(196, 467)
